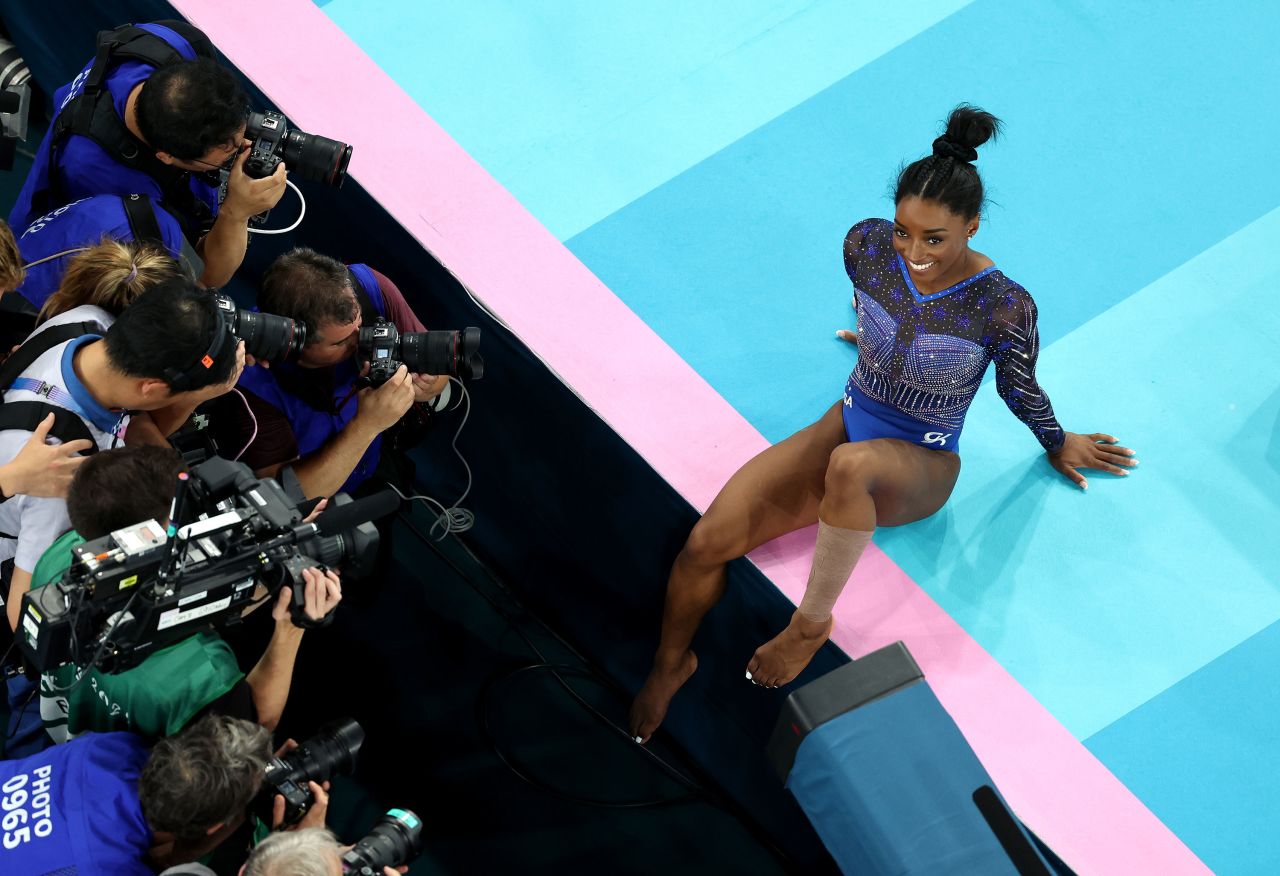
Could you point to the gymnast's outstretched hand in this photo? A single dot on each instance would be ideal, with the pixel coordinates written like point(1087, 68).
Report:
point(1097, 451)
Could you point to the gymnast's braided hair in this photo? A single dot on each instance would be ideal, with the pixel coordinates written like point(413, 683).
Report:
point(948, 175)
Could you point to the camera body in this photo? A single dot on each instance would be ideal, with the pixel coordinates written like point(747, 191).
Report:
point(266, 336)
point(310, 156)
point(267, 131)
point(455, 353)
point(142, 587)
point(330, 752)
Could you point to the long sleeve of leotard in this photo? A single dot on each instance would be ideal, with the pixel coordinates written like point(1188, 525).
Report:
point(855, 244)
point(1014, 346)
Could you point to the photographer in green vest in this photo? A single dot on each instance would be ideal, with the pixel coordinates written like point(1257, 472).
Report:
point(196, 676)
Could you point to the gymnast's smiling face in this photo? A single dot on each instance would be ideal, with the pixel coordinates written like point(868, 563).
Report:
point(933, 241)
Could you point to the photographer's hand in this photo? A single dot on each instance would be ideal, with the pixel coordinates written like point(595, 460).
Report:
point(315, 814)
point(428, 386)
point(42, 469)
point(383, 407)
point(270, 679)
point(386, 871)
point(247, 196)
point(224, 246)
point(323, 472)
point(322, 593)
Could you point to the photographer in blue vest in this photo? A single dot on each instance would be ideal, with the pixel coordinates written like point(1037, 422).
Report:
point(314, 410)
point(48, 245)
point(104, 804)
point(155, 114)
point(169, 351)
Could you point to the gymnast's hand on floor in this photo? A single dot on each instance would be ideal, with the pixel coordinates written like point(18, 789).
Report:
point(1096, 451)
point(847, 335)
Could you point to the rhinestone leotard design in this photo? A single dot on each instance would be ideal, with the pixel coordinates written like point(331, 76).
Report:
point(921, 358)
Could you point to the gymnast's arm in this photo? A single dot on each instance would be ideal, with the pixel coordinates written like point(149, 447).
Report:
point(1015, 347)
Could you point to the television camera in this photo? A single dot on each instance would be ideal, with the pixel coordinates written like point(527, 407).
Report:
point(148, 585)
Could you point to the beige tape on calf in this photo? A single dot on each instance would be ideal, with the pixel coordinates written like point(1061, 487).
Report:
point(835, 556)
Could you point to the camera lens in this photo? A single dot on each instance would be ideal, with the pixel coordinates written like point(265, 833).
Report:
point(314, 157)
point(268, 336)
point(395, 840)
point(443, 352)
point(330, 752)
point(355, 550)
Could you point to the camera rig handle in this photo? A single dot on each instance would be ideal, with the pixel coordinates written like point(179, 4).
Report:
point(298, 601)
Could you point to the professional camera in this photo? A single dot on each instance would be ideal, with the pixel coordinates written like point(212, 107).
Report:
point(145, 586)
point(455, 353)
point(15, 101)
point(395, 840)
point(266, 336)
point(310, 156)
point(330, 752)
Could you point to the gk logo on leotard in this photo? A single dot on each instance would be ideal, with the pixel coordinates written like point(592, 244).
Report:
point(936, 437)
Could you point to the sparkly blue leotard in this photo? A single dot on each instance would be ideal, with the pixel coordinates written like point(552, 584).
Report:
point(921, 357)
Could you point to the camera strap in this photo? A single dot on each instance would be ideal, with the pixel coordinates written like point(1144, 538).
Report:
point(140, 211)
point(142, 219)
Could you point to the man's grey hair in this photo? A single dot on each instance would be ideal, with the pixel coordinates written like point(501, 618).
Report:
point(204, 776)
point(309, 852)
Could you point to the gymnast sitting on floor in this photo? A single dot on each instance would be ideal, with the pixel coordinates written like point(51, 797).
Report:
point(932, 313)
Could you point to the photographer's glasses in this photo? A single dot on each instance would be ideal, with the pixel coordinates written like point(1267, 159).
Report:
point(226, 165)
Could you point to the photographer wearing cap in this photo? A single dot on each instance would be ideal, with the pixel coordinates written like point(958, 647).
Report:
point(155, 114)
point(314, 410)
point(169, 351)
point(178, 683)
point(104, 804)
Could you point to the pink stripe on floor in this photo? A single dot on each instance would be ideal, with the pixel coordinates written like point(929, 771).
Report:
point(691, 436)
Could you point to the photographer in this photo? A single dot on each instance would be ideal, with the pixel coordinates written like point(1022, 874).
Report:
point(154, 114)
point(313, 410)
point(103, 804)
point(55, 242)
point(110, 275)
point(309, 852)
point(199, 674)
point(168, 352)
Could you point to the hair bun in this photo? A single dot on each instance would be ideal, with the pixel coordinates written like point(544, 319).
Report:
point(944, 148)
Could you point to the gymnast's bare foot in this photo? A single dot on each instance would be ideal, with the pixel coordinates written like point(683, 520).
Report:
point(785, 656)
point(650, 705)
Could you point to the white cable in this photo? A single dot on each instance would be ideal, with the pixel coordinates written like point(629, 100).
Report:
point(254, 436)
point(454, 518)
point(296, 222)
point(56, 255)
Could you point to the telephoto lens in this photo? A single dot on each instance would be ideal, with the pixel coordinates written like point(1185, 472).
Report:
point(456, 353)
point(330, 752)
point(266, 336)
point(317, 158)
point(395, 840)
